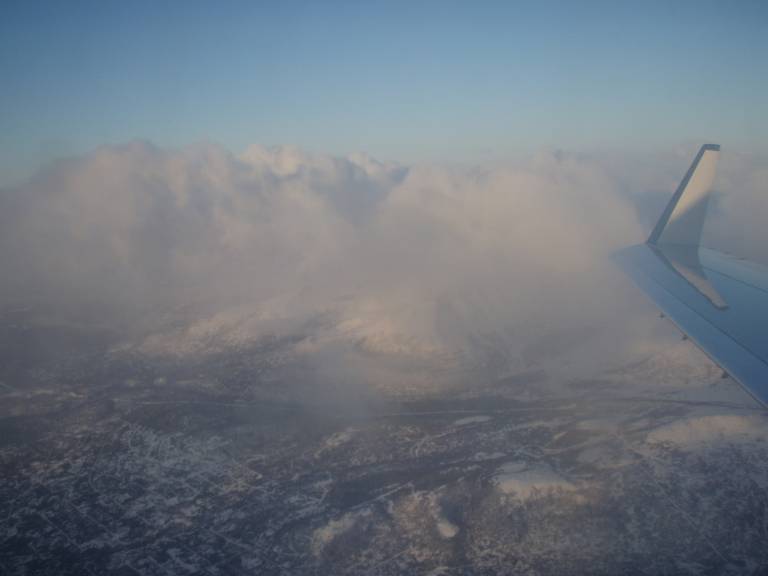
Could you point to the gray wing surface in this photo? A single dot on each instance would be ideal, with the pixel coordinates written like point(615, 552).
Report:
point(718, 301)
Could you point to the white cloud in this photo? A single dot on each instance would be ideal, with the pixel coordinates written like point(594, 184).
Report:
point(496, 266)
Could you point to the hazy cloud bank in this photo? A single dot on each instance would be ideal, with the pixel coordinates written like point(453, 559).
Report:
point(509, 261)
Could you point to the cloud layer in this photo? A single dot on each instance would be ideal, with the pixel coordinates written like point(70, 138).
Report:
point(505, 264)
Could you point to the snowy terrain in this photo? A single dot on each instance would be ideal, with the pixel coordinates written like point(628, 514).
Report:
point(118, 461)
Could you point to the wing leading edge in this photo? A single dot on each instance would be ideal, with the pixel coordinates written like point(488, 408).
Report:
point(718, 301)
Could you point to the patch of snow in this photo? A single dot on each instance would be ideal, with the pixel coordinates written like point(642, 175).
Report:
point(335, 440)
point(447, 529)
point(339, 438)
point(471, 420)
point(710, 429)
point(324, 535)
point(527, 480)
point(481, 456)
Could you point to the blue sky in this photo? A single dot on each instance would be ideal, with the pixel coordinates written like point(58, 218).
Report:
point(406, 81)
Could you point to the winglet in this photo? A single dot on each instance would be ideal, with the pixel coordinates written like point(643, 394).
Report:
point(683, 219)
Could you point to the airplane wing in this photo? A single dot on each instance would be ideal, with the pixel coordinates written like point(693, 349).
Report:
point(720, 302)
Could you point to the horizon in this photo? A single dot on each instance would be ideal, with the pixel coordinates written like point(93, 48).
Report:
point(434, 82)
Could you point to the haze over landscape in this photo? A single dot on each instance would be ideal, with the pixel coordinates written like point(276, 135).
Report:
point(327, 288)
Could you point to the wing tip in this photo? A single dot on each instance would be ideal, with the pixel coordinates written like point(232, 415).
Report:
point(663, 221)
